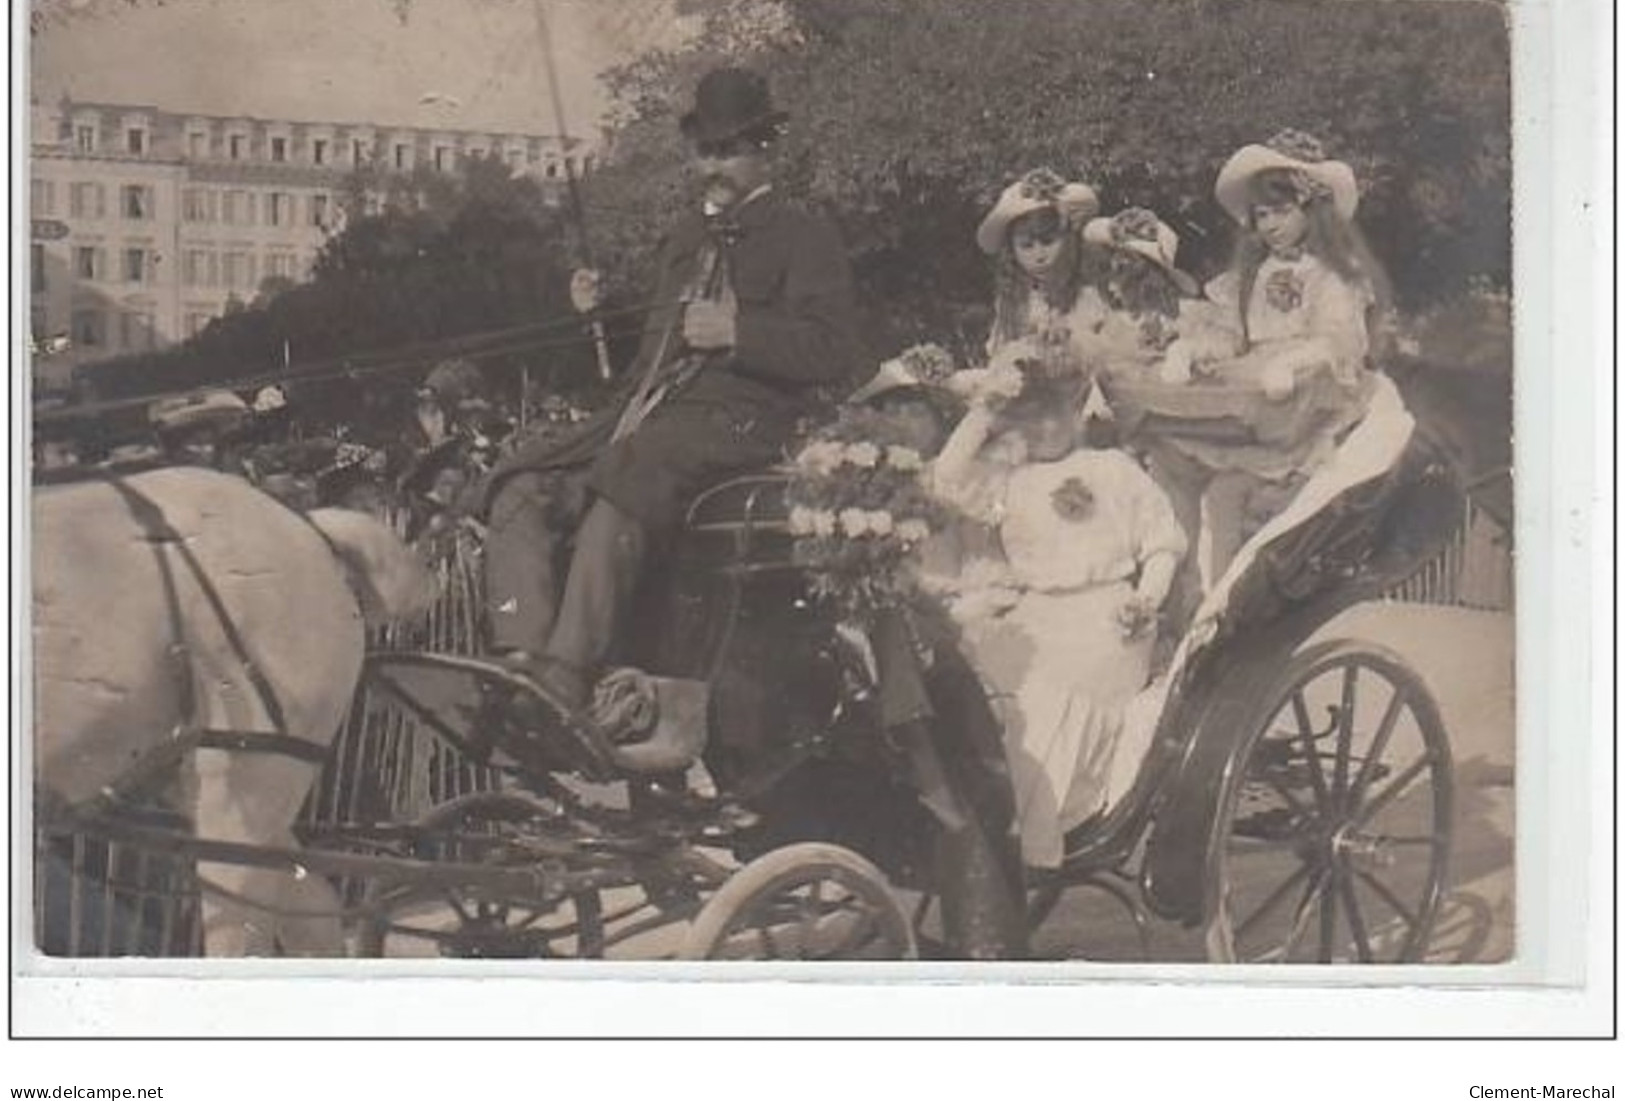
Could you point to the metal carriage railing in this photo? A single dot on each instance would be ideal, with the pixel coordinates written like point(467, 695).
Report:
point(385, 765)
point(1475, 569)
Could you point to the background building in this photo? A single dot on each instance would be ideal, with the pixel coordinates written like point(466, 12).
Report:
point(147, 224)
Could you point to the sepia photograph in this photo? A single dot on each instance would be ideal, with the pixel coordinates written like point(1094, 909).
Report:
point(771, 480)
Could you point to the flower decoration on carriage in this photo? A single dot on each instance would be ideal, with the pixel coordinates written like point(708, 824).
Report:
point(858, 510)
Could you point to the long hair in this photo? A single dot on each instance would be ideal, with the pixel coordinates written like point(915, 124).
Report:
point(1332, 239)
point(1075, 267)
point(1140, 288)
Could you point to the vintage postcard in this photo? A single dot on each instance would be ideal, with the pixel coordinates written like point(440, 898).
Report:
point(1026, 487)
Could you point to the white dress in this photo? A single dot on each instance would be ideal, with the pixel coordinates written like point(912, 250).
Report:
point(1044, 636)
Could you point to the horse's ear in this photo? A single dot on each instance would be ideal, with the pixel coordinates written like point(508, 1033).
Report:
point(390, 582)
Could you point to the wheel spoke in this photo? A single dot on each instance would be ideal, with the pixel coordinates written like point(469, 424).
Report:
point(1345, 733)
point(865, 931)
point(1311, 756)
point(1351, 910)
point(1412, 921)
point(1300, 920)
point(1328, 916)
point(1275, 898)
point(810, 912)
point(1379, 745)
point(457, 905)
point(1393, 790)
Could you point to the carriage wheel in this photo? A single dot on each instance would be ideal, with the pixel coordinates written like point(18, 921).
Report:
point(471, 922)
point(807, 901)
point(1334, 823)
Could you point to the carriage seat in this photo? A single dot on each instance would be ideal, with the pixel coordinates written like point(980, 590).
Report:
point(742, 523)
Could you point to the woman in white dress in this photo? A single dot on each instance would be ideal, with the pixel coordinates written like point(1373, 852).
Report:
point(1060, 629)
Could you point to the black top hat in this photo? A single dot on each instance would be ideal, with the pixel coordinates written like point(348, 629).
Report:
point(728, 103)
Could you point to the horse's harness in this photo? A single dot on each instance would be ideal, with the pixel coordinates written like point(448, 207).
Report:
point(190, 735)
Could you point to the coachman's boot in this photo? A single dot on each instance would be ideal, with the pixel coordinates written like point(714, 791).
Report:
point(604, 572)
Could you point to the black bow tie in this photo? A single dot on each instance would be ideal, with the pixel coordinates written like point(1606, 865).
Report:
point(725, 229)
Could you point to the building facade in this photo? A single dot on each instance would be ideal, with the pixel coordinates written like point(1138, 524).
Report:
point(147, 224)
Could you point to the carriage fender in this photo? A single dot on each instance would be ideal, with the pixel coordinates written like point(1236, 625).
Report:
point(1220, 715)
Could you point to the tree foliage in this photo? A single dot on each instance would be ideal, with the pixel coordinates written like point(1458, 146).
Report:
point(439, 257)
point(908, 116)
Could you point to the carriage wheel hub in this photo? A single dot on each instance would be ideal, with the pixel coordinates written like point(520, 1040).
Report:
point(1366, 850)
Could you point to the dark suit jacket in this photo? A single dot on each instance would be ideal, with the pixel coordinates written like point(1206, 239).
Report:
point(796, 330)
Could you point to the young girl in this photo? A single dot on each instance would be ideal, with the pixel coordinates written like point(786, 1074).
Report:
point(1042, 293)
point(1062, 629)
point(1300, 302)
point(1151, 309)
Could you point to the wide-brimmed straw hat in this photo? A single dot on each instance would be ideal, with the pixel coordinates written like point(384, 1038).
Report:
point(1293, 151)
point(1040, 189)
point(730, 102)
point(1142, 233)
point(209, 409)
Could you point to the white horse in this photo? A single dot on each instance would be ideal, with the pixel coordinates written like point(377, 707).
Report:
point(184, 597)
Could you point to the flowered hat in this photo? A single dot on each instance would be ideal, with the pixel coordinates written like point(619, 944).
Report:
point(1040, 189)
point(1141, 232)
point(924, 365)
point(1301, 155)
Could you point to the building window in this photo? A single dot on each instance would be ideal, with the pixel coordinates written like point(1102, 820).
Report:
point(279, 265)
point(197, 144)
point(137, 202)
point(89, 328)
point(195, 204)
point(87, 263)
point(84, 138)
point(36, 256)
point(233, 206)
point(237, 146)
point(318, 151)
point(195, 265)
point(358, 152)
point(41, 198)
point(135, 141)
point(140, 329)
point(237, 269)
point(552, 170)
point(135, 265)
point(279, 150)
point(401, 151)
point(318, 211)
point(586, 166)
point(442, 158)
point(85, 200)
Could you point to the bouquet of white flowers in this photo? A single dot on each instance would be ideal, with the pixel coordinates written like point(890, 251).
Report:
point(858, 511)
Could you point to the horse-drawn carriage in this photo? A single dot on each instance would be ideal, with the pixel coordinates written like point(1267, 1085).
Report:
point(1293, 802)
